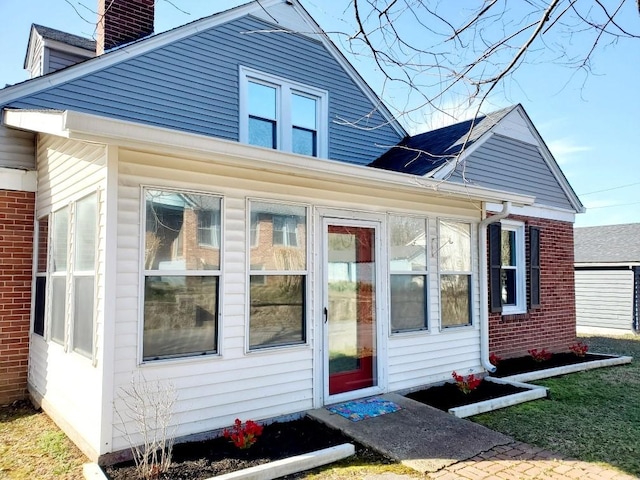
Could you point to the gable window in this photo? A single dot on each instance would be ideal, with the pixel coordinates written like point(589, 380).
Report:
point(454, 263)
point(181, 278)
point(508, 274)
point(282, 114)
point(278, 275)
point(408, 267)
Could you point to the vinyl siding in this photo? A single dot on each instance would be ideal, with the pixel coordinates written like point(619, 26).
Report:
point(214, 390)
point(71, 384)
point(17, 149)
point(514, 166)
point(192, 85)
point(59, 60)
point(604, 299)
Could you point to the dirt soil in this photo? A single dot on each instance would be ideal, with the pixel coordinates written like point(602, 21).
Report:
point(444, 397)
point(513, 366)
point(202, 460)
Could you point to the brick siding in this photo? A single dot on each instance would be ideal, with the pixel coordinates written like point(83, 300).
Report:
point(552, 325)
point(16, 253)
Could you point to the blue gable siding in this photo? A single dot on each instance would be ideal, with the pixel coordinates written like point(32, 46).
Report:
point(192, 85)
point(511, 165)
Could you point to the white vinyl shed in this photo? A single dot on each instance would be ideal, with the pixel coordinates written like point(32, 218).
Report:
point(607, 276)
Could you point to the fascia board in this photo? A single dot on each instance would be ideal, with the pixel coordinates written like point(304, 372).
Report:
point(351, 71)
point(552, 164)
point(444, 170)
point(64, 47)
point(538, 211)
point(92, 128)
point(140, 47)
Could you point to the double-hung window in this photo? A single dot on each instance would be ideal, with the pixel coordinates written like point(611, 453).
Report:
point(508, 272)
point(278, 274)
point(40, 290)
point(454, 262)
point(281, 114)
point(181, 274)
point(408, 266)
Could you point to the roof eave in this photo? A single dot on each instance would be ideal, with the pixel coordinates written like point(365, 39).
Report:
point(81, 126)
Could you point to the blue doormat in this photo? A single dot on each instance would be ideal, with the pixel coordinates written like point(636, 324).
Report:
point(360, 409)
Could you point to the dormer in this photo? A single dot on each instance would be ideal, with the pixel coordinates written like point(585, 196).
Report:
point(50, 50)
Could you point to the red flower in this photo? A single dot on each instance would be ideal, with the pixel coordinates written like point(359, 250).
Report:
point(243, 436)
point(540, 356)
point(466, 384)
point(495, 359)
point(579, 349)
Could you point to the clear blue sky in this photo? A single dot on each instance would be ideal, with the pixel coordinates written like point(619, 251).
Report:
point(590, 123)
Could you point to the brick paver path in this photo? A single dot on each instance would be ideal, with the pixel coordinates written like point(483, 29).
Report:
point(519, 460)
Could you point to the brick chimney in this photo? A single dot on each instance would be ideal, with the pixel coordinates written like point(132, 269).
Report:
point(122, 21)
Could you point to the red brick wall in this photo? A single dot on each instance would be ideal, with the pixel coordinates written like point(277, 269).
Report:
point(123, 21)
point(16, 252)
point(552, 325)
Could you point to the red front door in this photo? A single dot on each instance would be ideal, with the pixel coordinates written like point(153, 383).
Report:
point(350, 315)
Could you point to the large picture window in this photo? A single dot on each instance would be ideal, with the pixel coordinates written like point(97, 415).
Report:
point(281, 114)
point(182, 274)
point(454, 260)
point(408, 267)
point(278, 274)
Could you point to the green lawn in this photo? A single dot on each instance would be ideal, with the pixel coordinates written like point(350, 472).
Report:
point(593, 416)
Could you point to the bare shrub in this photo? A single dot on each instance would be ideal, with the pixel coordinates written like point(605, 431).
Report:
point(145, 410)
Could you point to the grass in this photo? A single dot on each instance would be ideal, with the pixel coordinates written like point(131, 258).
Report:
point(31, 446)
point(592, 416)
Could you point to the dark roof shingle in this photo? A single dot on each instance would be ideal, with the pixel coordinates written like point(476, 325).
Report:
point(423, 153)
point(64, 37)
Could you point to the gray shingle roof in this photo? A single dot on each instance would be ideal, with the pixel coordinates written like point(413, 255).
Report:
point(64, 37)
point(423, 153)
point(607, 244)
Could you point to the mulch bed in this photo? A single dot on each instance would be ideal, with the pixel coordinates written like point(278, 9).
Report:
point(202, 460)
point(513, 366)
point(446, 396)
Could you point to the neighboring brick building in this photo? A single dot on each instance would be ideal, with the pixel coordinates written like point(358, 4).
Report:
point(16, 261)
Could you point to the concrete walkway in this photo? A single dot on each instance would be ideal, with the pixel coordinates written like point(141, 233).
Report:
point(443, 447)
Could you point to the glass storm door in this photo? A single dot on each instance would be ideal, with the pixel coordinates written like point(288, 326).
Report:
point(350, 313)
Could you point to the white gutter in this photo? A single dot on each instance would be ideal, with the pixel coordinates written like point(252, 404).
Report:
point(484, 286)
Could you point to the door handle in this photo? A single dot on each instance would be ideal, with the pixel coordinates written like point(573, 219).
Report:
point(326, 315)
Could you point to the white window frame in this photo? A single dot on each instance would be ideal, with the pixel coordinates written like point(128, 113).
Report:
point(177, 273)
point(469, 273)
point(284, 126)
point(425, 272)
point(261, 273)
point(520, 268)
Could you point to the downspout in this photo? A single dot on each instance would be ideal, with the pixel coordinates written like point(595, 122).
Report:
point(484, 285)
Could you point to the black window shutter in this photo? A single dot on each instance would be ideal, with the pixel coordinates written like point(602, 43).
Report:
point(495, 267)
point(534, 266)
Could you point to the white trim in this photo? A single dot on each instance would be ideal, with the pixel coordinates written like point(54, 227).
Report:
point(538, 211)
point(617, 265)
point(571, 196)
point(377, 223)
point(92, 128)
point(20, 180)
point(101, 62)
point(285, 89)
point(520, 268)
point(307, 272)
point(66, 48)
